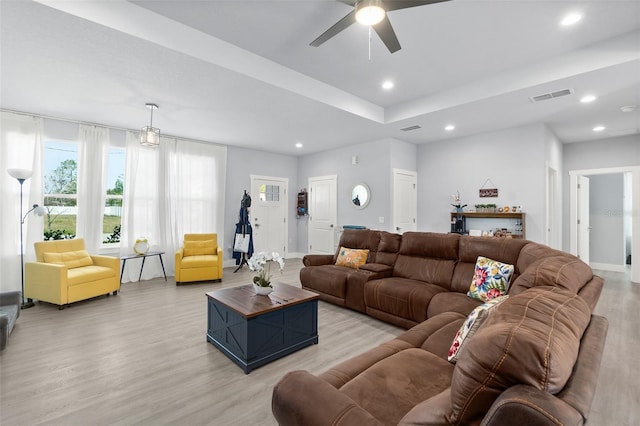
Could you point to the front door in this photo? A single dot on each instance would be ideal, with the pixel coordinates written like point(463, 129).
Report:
point(323, 214)
point(268, 214)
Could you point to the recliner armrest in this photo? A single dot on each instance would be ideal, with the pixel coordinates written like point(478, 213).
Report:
point(526, 405)
point(317, 259)
point(107, 261)
point(319, 404)
point(10, 298)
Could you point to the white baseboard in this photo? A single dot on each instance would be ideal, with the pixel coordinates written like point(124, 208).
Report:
point(608, 267)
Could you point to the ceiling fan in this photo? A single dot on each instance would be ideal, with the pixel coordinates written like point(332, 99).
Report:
point(373, 13)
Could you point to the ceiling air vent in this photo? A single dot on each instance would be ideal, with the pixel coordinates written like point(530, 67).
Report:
point(551, 95)
point(410, 128)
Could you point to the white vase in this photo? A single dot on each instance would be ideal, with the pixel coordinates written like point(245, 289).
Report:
point(262, 290)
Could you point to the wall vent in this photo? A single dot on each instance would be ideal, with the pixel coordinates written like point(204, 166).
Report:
point(410, 128)
point(551, 95)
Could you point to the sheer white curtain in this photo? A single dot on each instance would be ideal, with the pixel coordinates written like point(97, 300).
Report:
point(168, 191)
point(20, 148)
point(94, 143)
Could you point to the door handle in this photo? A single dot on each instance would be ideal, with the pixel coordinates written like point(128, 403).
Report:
point(331, 226)
point(257, 225)
point(397, 228)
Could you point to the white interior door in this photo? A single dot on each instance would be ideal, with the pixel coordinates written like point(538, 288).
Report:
point(583, 218)
point(268, 214)
point(323, 214)
point(405, 200)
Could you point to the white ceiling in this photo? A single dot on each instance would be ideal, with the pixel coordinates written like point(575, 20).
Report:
point(242, 73)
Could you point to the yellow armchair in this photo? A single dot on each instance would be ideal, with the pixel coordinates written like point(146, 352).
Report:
point(64, 273)
point(199, 259)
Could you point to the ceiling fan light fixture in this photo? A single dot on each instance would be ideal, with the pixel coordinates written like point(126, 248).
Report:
point(369, 12)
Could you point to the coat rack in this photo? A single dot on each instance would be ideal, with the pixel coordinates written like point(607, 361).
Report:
point(243, 242)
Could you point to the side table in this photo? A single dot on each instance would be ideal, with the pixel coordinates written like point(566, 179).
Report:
point(143, 256)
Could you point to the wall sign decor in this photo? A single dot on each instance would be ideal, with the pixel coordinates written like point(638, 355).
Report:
point(488, 192)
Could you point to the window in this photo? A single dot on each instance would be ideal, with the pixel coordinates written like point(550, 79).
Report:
point(269, 192)
point(112, 217)
point(60, 189)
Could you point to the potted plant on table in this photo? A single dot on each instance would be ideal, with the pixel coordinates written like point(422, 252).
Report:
point(261, 263)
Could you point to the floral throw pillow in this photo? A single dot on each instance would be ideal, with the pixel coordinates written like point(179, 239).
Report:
point(471, 325)
point(352, 258)
point(491, 279)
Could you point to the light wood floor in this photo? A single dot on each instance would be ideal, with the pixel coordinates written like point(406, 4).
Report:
point(142, 358)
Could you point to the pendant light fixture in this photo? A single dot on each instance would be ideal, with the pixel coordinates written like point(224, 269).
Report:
point(369, 12)
point(150, 136)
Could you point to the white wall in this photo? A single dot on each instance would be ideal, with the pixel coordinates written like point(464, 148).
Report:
point(241, 164)
point(601, 154)
point(513, 159)
point(610, 155)
point(376, 161)
point(554, 153)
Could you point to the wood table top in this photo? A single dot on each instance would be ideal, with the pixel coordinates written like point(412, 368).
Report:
point(247, 303)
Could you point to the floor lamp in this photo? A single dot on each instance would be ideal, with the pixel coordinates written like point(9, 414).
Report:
point(22, 175)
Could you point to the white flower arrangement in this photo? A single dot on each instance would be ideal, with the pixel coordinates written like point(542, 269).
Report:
point(261, 263)
point(458, 201)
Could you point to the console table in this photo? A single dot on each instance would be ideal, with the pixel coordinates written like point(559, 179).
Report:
point(143, 256)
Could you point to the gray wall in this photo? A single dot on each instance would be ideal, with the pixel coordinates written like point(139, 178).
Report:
point(241, 164)
point(622, 151)
point(513, 159)
point(376, 161)
point(606, 240)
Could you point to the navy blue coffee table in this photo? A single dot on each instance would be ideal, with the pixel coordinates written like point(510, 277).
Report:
point(254, 330)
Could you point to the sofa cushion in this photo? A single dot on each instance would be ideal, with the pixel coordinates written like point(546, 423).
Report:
point(359, 239)
point(352, 258)
point(451, 301)
point(198, 248)
point(87, 274)
point(559, 270)
point(491, 279)
point(392, 387)
point(70, 259)
point(199, 261)
point(400, 297)
point(505, 250)
point(388, 248)
point(471, 326)
point(532, 338)
point(327, 279)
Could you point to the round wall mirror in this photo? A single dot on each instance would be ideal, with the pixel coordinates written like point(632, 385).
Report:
point(360, 196)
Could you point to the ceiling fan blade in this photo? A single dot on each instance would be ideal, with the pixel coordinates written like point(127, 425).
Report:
point(390, 5)
point(387, 35)
point(335, 29)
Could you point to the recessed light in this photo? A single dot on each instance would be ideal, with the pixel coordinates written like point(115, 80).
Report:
point(571, 19)
point(298, 145)
point(588, 98)
point(628, 108)
point(387, 85)
point(449, 127)
point(599, 128)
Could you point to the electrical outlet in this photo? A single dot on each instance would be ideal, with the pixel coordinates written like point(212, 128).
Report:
point(381, 219)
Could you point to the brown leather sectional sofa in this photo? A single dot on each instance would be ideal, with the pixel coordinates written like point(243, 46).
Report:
point(534, 361)
point(411, 277)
